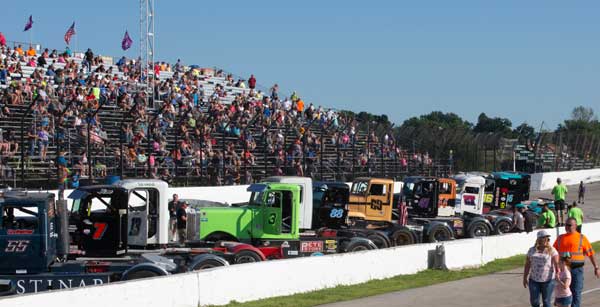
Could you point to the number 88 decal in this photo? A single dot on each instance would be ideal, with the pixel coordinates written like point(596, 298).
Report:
point(336, 213)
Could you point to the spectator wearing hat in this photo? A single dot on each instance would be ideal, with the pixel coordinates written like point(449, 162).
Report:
point(560, 192)
point(539, 272)
point(578, 246)
point(546, 218)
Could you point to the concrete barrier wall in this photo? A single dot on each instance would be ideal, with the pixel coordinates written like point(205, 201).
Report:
point(284, 277)
point(545, 181)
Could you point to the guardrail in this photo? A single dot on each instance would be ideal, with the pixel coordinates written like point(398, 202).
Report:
point(246, 282)
point(545, 181)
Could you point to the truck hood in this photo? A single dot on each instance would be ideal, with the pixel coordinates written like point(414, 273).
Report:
point(233, 221)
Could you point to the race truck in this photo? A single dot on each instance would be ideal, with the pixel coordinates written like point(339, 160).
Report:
point(433, 206)
point(34, 248)
point(278, 221)
point(504, 189)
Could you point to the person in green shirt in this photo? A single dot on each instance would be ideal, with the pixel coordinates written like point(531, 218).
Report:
point(546, 218)
point(560, 193)
point(576, 213)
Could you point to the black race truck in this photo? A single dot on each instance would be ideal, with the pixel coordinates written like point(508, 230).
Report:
point(35, 250)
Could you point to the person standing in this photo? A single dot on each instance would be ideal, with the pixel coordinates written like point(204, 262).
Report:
point(560, 192)
point(538, 274)
point(181, 222)
point(173, 206)
point(252, 82)
point(576, 213)
point(578, 246)
point(518, 219)
point(581, 194)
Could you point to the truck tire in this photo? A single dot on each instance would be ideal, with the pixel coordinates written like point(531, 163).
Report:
point(206, 261)
point(141, 274)
point(359, 245)
point(403, 236)
point(439, 233)
point(502, 227)
point(479, 229)
point(144, 270)
point(246, 256)
point(379, 238)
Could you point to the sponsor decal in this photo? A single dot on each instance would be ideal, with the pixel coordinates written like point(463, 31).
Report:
point(292, 253)
point(311, 246)
point(19, 231)
point(331, 245)
point(317, 254)
point(458, 224)
point(203, 219)
point(31, 285)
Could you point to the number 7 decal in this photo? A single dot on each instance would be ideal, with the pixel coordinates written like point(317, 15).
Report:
point(100, 230)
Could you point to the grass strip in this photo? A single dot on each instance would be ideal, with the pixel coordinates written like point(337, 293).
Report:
point(380, 286)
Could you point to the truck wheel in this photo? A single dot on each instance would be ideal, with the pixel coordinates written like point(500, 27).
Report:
point(206, 261)
point(440, 233)
point(379, 238)
point(246, 256)
point(478, 229)
point(402, 237)
point(502, 227)
point(141, 274)
point(357, 246)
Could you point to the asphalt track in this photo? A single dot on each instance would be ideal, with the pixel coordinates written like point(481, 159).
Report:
point(503, 289)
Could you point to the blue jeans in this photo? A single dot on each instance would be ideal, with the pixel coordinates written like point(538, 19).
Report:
point(543, 288)
point(576, 285)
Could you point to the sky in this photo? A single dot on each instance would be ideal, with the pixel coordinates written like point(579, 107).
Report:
point(529, 61)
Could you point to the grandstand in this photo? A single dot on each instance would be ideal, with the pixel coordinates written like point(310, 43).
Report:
point(201, 127)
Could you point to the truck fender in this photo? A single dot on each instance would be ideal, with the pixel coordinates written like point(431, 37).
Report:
point(210, 260)
point(357, 243)
point(236, 247)
point(470, 222)
point(428, 229)
point(150, 268)
point(7, 287)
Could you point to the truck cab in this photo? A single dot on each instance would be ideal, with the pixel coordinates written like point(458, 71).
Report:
point(28, 232)
point(107, 219)
point(433, 197)
point(509, 188)
point(371, 199)
point(272, 213)
point(470, 191)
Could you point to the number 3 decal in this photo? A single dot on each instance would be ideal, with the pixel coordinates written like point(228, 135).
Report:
point(272, 217)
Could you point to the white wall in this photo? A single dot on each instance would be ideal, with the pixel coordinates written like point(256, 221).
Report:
point(545, 181)
point(247, 282)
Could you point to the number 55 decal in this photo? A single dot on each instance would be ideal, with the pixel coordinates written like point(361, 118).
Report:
point(16, 246)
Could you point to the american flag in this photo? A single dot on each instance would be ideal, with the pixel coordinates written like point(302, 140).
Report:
point(70, 32)
point(403, 212)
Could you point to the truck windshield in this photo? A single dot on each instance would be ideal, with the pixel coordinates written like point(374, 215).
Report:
point(359, 187)
point(19, 217)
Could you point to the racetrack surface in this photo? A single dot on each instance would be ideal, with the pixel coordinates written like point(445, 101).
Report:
point(503, 289)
